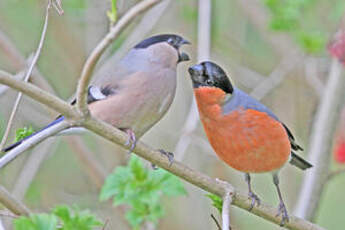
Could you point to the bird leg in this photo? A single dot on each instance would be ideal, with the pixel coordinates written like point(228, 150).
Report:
point(251, 194)
point(169, 155)
point(132, 140)
point(281, 208)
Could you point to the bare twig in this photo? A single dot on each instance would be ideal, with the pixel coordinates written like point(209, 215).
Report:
point(204, 44)
point(33, 91)
point(311, 75)
point(19, 62)
point(148, 21)
point(57, 4)
point(8, 214)
point(105, 224)
point(27, 76)
point(321, 142)
point(277, 76)
point(100, 48)
point(216, 221)
point(95, 171)
point(12, 203)
point(192, 176)
point(30, 168)
point(335, 173)
point(227, 200)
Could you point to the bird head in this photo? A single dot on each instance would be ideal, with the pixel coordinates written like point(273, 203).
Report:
point(208, 74)
point(164, 48)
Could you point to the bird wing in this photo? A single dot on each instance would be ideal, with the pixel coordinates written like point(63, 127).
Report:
point(240, 99)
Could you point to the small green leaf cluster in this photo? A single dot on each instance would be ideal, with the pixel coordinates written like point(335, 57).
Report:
point(291, 16)
point(112, 15)
point(61, 217)
point(217, 202)
point(142, 190)
point(21, 133)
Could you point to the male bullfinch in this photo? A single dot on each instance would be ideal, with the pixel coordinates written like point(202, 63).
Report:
point(136, 92)
point(244, 133)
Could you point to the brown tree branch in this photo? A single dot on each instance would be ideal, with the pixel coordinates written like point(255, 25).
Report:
point(12, 203)
point(194, 177)
point(101, 47)
point(94, 170)
point(33, 91)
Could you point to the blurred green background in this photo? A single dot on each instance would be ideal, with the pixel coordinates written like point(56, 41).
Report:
point(253, 40)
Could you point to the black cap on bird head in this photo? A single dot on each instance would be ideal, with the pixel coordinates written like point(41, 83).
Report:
point(174, 40)
point(209, 74)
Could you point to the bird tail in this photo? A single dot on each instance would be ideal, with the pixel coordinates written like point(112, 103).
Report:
point(12, 146)
point(299, 162)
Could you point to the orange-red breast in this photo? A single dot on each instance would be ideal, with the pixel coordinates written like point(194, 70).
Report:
point(244, 133)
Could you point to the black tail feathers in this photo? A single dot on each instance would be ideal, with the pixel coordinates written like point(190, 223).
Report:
point(12, 146)
point(8, 148)
point(299, 162)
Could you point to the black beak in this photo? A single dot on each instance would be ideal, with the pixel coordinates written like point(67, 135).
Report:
point(184, 42)
point(195, 71)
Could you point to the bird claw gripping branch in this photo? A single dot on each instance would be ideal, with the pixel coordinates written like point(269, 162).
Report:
point(169, 155)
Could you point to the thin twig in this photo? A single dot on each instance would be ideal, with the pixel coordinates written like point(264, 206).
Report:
point(12, 203)
point(277, 76)
point(335, 173)
point(204, 44)
point(95, 171)
point(8, 214)
point(30, 168)
point(57, 4)
point(216, 221)
point(227, 200)
point(27, 76)
point(147, 22)
point(19, 62)
point(311, 75)
point(101, 47)
point(51, 101)
point(192, 176)
point(321, 143)
point(105, 224)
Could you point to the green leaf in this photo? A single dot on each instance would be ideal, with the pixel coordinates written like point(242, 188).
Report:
point(23, 132)
point(69, 219)
point(36, 222)
point(76, 219)
point(312, 42)
point(115, 183)
point(142, 190)
point(112, 15)
point(217, 202)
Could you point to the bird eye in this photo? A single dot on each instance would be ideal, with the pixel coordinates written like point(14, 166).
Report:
point(170, 41)
point(209, 82)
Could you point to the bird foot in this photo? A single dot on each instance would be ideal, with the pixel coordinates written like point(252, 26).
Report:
point(132, 141)
point(169, 155)
point(255, 200)
point(283, 212)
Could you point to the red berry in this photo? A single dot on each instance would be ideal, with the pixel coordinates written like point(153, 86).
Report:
point(339, 152)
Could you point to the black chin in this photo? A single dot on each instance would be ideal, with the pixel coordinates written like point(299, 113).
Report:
point(183, 57)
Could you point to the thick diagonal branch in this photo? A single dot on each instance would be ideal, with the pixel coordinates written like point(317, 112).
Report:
point(184, 172)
